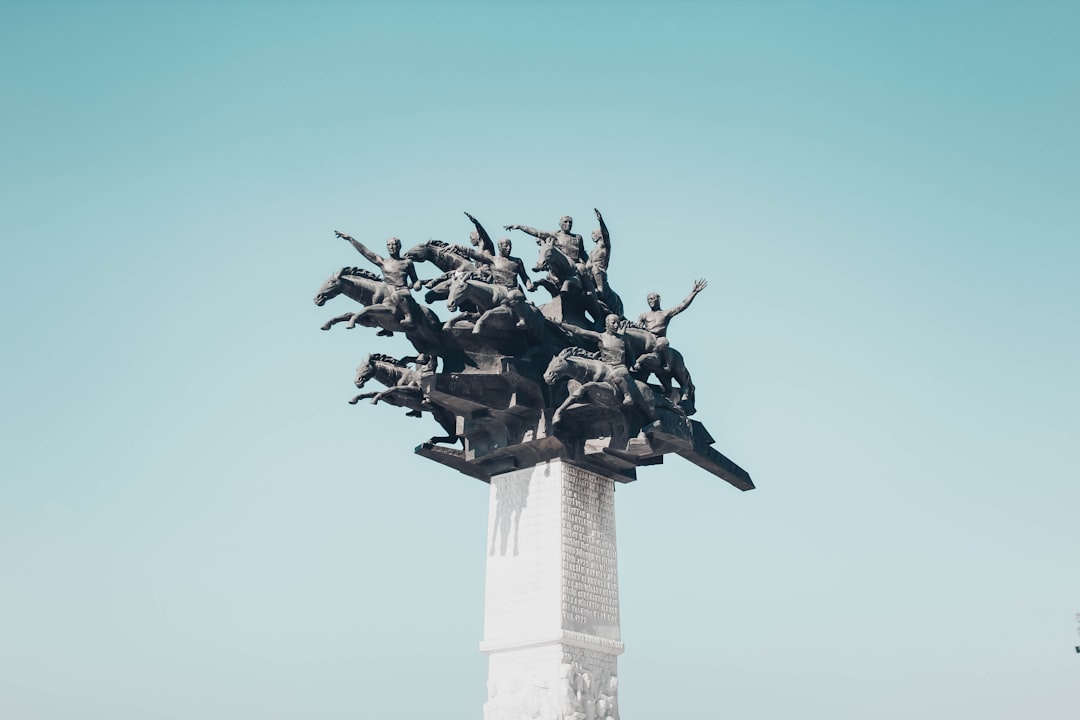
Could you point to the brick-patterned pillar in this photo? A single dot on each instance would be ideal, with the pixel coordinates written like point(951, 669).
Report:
point(551, 602)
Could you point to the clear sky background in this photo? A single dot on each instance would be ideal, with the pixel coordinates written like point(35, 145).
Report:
point(883, 197)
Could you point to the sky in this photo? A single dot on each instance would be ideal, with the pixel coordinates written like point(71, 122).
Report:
point(882, 197)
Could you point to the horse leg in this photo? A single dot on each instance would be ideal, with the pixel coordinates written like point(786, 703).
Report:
point(498, 309)
point(572, 398)
point(448, 422)
point(334, 321)
point(632, 395)
point(439, 291)
point(649, 362)
point(361, 396)
point(356, 317)
point(376, 397)
point(460, 316)
point(547, 284)
point(686, 387)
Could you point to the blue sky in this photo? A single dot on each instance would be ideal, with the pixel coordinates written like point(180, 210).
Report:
point(193, 522)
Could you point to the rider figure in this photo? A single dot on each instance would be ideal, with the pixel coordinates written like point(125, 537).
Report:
point(600, 255)
point(481, 243)
point(481, 253)
point(613, 352)
point(569, 244)
point(656, 321)
point(506, 269)
point(397, 272)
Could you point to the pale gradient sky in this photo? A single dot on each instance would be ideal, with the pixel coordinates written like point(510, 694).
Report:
point(883, 197)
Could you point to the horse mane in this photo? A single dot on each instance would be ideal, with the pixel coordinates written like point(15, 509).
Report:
point(360, 272)
point(575, 351)
point(379, 357)
point(483, 275)
point(437, 243)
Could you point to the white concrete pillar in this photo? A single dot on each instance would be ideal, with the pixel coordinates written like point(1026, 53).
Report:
point(551, 601)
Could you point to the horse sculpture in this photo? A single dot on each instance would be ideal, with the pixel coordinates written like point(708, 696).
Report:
point(596, 381)
point(564, 280)
point(403, 390)
point(445, 257)
point(642, 342)
point(491, 300)
point(386, 307)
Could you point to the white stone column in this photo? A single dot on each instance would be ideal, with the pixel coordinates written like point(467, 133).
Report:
point(551, 601)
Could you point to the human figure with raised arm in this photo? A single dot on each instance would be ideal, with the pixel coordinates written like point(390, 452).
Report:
point(569, 244)
point(613, 353)
point(600, 255)
point(396, 270)
point(398, 273)
point(481, 254)
point(495, 289)
point(656, 321)
point(481, 242)
point(506, 269)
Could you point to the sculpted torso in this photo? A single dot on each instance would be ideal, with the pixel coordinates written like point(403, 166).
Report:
point(396, 271)
point(505, 270)
point(656, 322)
point(612, 350)
point(570, 245)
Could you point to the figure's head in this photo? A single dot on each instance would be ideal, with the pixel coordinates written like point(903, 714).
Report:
point(505, 246)
point(654, 301)
point(597, 234)
point(474, 238)
point(566, 222)
point(611, 323)
point(393, 245)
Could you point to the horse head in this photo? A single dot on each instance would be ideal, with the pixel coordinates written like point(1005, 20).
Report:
point(552, 259)
point(561, 364)
point(330, 289)
point(418, 253)
point(366, 371)
point(543, 259)
point(459, 288)
point(555, 369)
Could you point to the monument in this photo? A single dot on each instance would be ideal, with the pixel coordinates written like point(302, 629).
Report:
point(551, 404)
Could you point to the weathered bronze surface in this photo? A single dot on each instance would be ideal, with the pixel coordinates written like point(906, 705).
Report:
point(516, 383)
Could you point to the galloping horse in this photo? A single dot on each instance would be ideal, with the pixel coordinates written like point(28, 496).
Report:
point(443, 256)
point(386, 307)
point(491, 300)
point(642, 342)
point(403, 390)
point(393, 373)
point(597, 381)
point(563, 277)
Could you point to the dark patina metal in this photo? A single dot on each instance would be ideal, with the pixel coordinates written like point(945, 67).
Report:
point(516, 383)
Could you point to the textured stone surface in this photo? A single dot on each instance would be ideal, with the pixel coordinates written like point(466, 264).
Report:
point(551, 610)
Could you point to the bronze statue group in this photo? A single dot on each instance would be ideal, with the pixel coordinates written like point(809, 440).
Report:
point(574, 366)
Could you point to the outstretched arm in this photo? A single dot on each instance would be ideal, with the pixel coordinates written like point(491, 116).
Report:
point(581, 335)
point(603, 227)
point(538, 234)
point(471, 253)
point(360, 248)
point(699, 285)
point(485, 239)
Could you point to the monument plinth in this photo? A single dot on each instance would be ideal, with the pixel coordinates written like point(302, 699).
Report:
point(551, 600)
point(551, 405)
